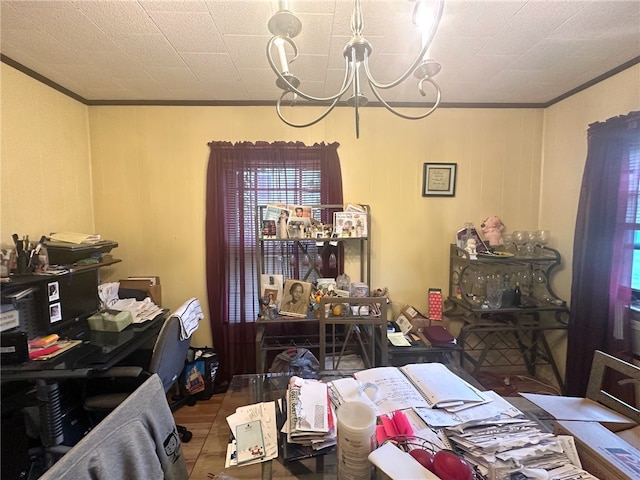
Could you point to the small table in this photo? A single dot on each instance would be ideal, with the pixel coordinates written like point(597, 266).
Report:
point(420, 352)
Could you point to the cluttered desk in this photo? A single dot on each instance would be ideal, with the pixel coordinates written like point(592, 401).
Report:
point(442, 409)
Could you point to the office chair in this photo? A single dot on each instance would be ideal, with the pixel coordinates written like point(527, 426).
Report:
point(133, 441)
point(167, 361)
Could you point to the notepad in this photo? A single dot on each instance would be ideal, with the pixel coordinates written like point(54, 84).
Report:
point(249, 441)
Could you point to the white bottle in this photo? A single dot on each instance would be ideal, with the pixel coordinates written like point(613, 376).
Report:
point(356, 440)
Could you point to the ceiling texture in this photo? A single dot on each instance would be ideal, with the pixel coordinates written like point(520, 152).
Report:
point(526, 53)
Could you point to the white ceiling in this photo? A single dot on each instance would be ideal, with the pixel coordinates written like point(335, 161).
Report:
point(523, 52)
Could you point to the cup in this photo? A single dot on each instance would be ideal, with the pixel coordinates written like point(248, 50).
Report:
point(356, 428)
point(494, 292)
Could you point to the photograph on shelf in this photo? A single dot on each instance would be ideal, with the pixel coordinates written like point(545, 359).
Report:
point(354, 207)
point(271, 287)
point(268, 228)
point(275, 211)
point(296, 298)
point(349, 224)
point(280, 214)
point(300, 211)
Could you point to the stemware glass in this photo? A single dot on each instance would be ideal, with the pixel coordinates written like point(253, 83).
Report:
point(519, 239)
point(507, 242)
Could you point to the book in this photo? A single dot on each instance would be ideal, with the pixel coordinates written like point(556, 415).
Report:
point(429, 385)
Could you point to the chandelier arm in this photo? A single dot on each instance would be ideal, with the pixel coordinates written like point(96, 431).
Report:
point(417, 61)
point(303, 125)
point(346, 82)
point(410, 117)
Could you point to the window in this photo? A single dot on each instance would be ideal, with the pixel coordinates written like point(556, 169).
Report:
point(261, 185)
point(632, 218)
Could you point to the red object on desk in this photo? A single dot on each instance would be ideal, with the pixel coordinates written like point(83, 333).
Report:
point(43, 351)
point(435, 304)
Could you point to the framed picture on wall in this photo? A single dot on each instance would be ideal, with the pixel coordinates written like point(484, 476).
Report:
point(439, 180)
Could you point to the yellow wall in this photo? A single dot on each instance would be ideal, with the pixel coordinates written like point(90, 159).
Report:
point(149, 165)
point(564, 156)
point(46, 168)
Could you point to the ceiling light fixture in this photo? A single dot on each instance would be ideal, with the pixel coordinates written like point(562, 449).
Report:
point(284, 26)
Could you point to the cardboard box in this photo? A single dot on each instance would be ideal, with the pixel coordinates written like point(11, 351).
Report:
point(151, 285)
point(411, 320)
point(604, 438)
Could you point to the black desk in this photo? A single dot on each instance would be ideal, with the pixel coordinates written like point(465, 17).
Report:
point(87, 358)
point(81, 361)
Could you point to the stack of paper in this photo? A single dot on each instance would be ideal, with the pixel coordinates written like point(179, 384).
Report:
point(265, 415)
point(75, 237)
point(512, 446)
point(141, 311)
point(496, 412)
point(309, 414)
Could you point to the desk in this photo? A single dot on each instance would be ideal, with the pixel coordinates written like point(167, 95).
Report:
point(250, 389)
point(81, 361)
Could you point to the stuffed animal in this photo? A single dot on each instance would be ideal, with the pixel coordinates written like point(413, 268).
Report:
point(492, 228)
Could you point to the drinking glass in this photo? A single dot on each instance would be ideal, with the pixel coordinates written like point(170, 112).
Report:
point(507, 241)
point(542, 238)
point(519, 239)
point(494, 291)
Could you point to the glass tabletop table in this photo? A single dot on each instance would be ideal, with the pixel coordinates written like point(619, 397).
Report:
point(293, 462)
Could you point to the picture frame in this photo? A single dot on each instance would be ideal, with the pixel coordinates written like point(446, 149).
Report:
point(346, 224)
point(439, 179)
point(295, 303)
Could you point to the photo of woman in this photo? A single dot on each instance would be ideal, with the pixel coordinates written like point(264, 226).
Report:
point(296, 299)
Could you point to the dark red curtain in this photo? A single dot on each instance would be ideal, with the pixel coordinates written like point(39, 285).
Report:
point(241, 176)
point(603, 249)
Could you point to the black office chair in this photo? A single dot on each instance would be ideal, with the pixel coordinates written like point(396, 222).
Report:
point(167, 361)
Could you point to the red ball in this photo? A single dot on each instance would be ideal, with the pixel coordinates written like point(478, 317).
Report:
point(449, 466)
point(423, 457)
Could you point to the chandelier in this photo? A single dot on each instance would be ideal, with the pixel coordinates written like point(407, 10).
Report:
point(285, 26)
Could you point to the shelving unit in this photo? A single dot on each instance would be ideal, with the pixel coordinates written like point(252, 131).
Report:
point(511, 336)
point(321, 254)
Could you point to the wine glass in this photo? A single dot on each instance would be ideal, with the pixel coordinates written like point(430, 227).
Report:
point(519, 239)
point(542, 237)
point(507, 241)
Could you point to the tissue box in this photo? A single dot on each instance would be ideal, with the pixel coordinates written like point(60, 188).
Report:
point(106, 322)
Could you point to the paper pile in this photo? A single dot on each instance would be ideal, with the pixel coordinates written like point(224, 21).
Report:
point(265, 414)
point(141, 311)
point(310, 415)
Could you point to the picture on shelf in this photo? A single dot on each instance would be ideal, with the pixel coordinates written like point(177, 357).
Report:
point(300, 211)
point(354, 207)
point(275, 211)
point(350, 224)
point(271, 286)
point(268, 228)
point(296, 298)
point(280, 214)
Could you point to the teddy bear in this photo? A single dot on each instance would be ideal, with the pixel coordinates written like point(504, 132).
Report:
point(492, 228)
